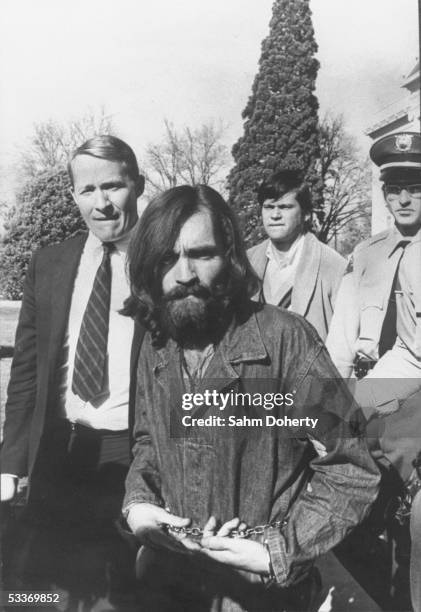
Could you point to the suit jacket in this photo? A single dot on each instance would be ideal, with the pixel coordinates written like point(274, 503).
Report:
point(32, 391)
point(316, 283)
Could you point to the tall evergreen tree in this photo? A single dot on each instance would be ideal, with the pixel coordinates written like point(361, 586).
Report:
point(281, 123)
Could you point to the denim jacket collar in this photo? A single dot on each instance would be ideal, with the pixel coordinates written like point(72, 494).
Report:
point(241, 343)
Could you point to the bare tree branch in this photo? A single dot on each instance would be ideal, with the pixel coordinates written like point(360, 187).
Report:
point(346, 180)
point(52, 142)
point(189, 156)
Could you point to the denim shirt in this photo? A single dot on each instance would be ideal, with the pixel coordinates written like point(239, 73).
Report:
point(319, 481)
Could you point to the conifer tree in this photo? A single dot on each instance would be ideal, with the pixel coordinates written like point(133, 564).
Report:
point(281, 122)
point(44, 214)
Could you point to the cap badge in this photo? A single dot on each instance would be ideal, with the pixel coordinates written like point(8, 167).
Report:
point(403, 142)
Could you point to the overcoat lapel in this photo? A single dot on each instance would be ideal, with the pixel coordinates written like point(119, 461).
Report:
point(258, 258)
point(306, 275)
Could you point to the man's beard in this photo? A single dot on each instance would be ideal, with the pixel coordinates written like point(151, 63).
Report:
point(194, 321)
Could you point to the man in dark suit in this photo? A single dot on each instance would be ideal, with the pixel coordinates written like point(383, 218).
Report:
point(67, 411)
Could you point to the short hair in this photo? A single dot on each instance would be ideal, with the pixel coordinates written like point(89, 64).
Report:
point(153, 241)
point(108, 147)
point(281, 183)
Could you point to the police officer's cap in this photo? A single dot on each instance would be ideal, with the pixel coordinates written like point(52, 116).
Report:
point(401, 150)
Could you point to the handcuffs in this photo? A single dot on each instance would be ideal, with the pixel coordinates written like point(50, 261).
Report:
point(196, 534)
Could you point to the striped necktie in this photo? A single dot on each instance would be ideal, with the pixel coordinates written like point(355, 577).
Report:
point(90, 374)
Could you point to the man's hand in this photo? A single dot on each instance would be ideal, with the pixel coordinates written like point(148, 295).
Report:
point(8, 486)
point(240, 553)
point(147, 521)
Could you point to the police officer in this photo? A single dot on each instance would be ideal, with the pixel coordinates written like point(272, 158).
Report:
point(376, 327)
point(375, 333)
point(386, 295)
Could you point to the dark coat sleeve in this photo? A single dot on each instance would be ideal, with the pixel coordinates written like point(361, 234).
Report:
point(22, 386)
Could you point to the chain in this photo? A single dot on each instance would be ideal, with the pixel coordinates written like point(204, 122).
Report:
point(195, 533)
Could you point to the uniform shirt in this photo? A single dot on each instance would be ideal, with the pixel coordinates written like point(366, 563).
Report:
point(111, 411)
point(280, 270)
point(362, 300)
point(397, 374)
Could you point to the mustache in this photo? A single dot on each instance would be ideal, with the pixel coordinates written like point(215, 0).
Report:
point(178, 293)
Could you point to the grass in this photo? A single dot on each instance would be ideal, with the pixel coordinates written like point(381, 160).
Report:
point(8, 321)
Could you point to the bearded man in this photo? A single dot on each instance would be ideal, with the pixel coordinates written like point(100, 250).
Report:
point(231, 517)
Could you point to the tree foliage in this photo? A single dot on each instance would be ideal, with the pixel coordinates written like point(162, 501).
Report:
point(188, 156)
point(346, 185)
point(281, 123)
point(355, 231)
point(44, 214)
point(52, 142)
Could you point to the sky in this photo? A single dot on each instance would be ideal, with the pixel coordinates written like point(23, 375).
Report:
point(188, 61)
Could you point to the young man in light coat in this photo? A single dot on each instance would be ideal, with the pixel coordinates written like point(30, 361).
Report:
point(298, 272)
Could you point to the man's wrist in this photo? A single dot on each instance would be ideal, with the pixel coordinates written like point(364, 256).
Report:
point(125, 511)
point(269, 576)
point(8, 487)
point(129, 506)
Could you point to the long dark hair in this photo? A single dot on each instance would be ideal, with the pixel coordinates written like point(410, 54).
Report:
point(153, 241)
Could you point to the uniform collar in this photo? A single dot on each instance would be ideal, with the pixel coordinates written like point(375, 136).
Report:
point(395, 239)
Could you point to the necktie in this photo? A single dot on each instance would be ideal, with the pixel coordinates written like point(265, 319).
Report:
point(90, 374)
point(388, 333)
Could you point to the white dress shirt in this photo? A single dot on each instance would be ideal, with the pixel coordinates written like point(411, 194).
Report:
point(280, 270)
point(111, 410)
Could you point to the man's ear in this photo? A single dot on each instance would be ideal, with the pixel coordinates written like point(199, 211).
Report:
point(140, 185)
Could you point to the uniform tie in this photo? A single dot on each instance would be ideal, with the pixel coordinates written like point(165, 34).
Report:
point(90, 374)
point(388, 333)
